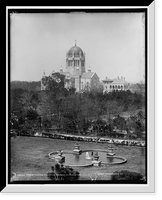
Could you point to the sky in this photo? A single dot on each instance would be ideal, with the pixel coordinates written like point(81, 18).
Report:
point(114, 43)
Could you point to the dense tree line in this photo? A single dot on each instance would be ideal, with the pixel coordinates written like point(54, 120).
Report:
point(77, 112)
point(33, 85)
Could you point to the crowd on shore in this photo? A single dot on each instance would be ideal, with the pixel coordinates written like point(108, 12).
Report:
point(115, 141)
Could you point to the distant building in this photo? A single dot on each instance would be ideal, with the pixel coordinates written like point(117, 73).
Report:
point(117, 84)
point(75, 73)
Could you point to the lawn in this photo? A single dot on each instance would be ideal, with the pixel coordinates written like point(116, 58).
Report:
point(29, 158)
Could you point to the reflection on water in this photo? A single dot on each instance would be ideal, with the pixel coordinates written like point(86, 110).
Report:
point(76, 157)
point(111, 159)
point(73, 159)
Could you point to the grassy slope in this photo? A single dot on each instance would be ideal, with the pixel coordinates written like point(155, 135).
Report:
point(29, 155)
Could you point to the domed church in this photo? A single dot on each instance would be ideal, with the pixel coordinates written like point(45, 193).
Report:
point(75, 72)
point(75, 61)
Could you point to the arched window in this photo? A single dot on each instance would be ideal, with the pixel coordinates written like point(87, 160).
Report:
point(110, 86)
point(118, 86)
point(115, 86)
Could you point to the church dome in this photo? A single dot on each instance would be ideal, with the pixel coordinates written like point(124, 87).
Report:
point(76, 51)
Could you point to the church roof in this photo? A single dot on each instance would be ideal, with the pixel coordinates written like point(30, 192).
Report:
point(118, 80)
point(87, 74)
point(115, 80)
point(63, 73)
point(67, 75)
point(107, 80)
point(75, 50)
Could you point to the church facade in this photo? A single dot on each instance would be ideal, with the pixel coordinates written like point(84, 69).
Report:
point(75, 73)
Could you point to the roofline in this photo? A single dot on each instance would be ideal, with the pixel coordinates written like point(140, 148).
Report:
point(107, 80)
point(93, 74)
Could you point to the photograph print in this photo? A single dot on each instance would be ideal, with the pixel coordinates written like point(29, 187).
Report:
point(78, 90)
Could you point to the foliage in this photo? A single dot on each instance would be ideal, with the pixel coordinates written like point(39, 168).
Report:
point(119, 122)
point(14, 121)
point(23, 108)
point(113, 108)
point(25, 85)
point(63, 173)
point(125, 175)
point(77, 112)
point(55, 82)
point(15, 104)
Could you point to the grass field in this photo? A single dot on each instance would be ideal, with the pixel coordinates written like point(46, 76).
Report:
point(29, 158)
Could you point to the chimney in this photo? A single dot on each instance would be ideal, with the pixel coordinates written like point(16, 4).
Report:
point(89, 69)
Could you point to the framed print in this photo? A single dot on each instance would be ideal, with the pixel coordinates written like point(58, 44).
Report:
point(80, 99)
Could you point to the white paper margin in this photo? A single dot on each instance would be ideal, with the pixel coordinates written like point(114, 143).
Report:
point(108, 188)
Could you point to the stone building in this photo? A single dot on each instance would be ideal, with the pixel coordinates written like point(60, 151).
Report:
point(116, 84)
point(75, 72)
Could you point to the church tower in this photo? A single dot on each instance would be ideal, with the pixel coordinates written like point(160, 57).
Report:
point(75, 59)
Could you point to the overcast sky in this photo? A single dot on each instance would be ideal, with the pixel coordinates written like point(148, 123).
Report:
point(113, 44)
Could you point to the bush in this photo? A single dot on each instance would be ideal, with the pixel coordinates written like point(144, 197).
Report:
point(125, 175)
point(62, 173)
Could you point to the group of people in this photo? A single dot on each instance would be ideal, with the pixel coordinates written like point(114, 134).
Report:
point(86, 139)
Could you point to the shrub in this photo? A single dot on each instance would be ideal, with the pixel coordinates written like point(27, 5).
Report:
point(62, 173)
point(125, 175)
